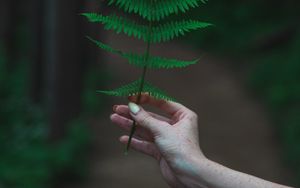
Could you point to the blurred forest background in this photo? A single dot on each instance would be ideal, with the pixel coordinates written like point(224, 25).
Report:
point(49, 74)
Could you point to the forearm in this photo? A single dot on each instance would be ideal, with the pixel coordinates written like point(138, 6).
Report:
point(203, 173)
point(218, 176)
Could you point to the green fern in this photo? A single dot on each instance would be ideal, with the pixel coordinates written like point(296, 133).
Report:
point(161, 32)
point(154, 31)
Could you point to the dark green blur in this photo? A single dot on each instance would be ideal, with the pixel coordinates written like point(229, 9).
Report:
point(263, 38)
point(28, 159)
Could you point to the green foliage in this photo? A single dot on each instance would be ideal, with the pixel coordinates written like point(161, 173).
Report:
point(133, 89)
point(27, 159)
point(160, 33)
point(157, 62)
point(157, 9)
point(154, 31)
point(152, 10)
point(140, 60)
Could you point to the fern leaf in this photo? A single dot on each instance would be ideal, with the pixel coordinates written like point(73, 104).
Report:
point(157, 62)
point(119, 24)
point(158, 10)
point(140, 60)
point(160, 33)
point(133, 89)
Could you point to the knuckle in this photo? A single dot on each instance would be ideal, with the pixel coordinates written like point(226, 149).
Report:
point(144, 120)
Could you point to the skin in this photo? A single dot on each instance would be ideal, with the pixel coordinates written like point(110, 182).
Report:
point(174, 142)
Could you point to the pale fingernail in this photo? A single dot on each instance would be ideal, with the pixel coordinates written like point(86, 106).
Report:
point(134, 108)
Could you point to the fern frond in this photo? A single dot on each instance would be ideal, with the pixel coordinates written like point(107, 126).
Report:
point(133, 89)
point(158, 10)
point(157, 62)
point(155, 32)
point(163, 32)
point(140, 60)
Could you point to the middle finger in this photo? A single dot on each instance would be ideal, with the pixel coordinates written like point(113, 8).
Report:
point(126, 124)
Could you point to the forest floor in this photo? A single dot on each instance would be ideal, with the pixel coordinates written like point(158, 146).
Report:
point(235, 129)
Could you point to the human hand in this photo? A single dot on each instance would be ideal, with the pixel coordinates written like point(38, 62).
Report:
point(173, 141)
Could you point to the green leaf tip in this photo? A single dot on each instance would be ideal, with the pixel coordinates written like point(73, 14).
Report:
point(104, 46)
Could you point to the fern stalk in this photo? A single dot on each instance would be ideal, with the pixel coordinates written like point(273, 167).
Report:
point(133, 128)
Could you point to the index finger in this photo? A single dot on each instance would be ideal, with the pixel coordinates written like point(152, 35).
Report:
point(169, 107)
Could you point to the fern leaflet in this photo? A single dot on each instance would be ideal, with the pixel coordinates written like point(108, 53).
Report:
point(140, 60)
point(158, 10)
point(133, 89)
point(160, 33)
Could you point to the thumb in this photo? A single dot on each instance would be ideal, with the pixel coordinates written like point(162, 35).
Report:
point(144, 119)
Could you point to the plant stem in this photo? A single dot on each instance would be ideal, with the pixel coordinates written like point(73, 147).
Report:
point(147, 55)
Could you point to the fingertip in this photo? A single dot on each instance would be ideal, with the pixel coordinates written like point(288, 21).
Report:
point(124, 139)
point(113, 116)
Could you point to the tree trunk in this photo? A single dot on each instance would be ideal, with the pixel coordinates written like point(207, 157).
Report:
point(37, 50)
point(66, 63)
point(10, 13)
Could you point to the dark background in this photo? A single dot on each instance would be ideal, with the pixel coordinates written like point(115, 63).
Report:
point(55, 130)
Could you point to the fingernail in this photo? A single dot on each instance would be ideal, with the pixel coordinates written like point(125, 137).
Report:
point(134, 108)
point(115, 108)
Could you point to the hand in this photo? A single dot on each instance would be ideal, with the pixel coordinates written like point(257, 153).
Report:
point(173, 141)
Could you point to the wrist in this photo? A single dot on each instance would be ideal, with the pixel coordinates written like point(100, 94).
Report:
point(188, 169)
